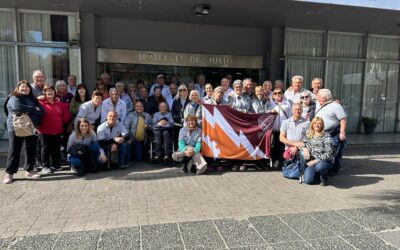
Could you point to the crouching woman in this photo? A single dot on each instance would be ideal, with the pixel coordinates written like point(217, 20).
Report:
point(83, 149)
point(189, 144)
point(318, 152)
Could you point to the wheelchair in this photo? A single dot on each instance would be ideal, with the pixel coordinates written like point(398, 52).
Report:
point(152, 146)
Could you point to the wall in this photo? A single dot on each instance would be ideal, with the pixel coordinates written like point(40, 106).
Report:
point(88, 49)
point(179, 37)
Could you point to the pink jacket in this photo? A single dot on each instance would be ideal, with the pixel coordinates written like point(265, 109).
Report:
point(55, 116)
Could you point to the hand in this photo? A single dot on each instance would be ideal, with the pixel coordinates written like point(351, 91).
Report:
point(119, 140)
point(293, 151)
point(114, 148)
point(37, 108)
point(342, 136)
point(103, 158)
point(189, 153)
point(311, 163)
point(299, 144)
point(41, 97)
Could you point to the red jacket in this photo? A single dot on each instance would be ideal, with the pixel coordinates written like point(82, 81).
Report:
point(55, 116)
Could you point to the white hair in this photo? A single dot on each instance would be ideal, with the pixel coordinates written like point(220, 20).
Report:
point(112, 90)
point(325, 93)
point(237, 82)
point(119, 83)
point(193, 92)
point(297, 77)
point(60, 82)
point(36, 72)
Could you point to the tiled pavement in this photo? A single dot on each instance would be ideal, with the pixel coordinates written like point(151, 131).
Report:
point(149, 207)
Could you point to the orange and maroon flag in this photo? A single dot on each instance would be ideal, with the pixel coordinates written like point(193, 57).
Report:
point(230, 134)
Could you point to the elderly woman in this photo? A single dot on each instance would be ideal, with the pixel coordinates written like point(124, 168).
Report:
point(179, 104)
point(21, 100)
point(308, 105)
point(260, 103)
point(189, 147)
point(217, 97)
point(319, 153)
point(194, 107)
point(237, 100)
point(84, 150)
point(62, 92)
point(283, 109)
point(51, 128)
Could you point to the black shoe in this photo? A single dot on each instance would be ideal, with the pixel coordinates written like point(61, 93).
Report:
point(184, 169)
point(324, 182)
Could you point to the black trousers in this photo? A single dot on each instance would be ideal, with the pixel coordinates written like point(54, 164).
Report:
point(50, 148)
point(14, 152)
point(277, 148)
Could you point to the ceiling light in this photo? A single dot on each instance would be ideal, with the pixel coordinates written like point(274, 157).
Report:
point(202, 9)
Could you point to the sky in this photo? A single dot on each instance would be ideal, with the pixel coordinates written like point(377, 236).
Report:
point(380, 4)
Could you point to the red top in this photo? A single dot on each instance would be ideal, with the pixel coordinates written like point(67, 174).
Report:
point(55, 116)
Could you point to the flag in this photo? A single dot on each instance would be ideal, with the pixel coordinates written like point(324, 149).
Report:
point(231, 134)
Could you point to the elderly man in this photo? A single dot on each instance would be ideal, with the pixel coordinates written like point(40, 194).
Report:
point(316, 85)
point(225, 84)
point(71, 79)
point(37, 85)
point(163, 124)
point(173, 87)
point(114, 103)
point(165, 91)
point(200, 85)
point(138, 123)
point(237, 100)
point(293, 131)
point(248, 88)
point(209, 92)
point(278, 84)
point(292, 94)
point(335, 120)
point(91, 110)
point(267, 88)
point(189, 143)
point(217, 97)
point(113, 137)
point(119, 86)
point(107, 80)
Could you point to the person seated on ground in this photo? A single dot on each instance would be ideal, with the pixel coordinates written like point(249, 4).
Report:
point(113, 103)
point(189, 144)
point(237, 100)
point(137, 123)
point(293, 131)
point(282, 108)
point(209, 92)
point(84, 152)
point(91, 110)
point(335, 119)
point(113, 137)
point(194, 107)
point(308, 105)
point(260, 103)
point(217, 97)
point(163, 125)
point(318, 151)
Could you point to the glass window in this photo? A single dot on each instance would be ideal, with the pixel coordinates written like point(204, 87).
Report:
point(308, 68)
point(344, 79)
point(381, 94)
point(345, 46)
point(6, 26)
point(303, 43)
point(383, 48)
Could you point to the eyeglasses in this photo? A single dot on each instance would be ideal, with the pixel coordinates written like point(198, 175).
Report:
point(277, 93)
point(304, 97)
point(240, 86)
point(182, 90)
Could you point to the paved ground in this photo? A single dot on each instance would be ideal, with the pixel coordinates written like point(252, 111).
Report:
point(150, 207)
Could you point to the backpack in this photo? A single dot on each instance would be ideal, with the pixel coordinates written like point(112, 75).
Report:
point(293, 168)
point(23, 125)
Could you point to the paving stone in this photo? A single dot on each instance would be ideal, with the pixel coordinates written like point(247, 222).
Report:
point(295, 245)
point(201, 235)
point(4, 242)
point(367, 241)
point(77, 240)
point(263, 247)
point(374, 219)
point(161, 236)
point(273, 229)
point(307, 226)
point(338, 223)
point(44, 241)
point(330, 243)
point(238, 233)
point(120, 238)
point(392, 237)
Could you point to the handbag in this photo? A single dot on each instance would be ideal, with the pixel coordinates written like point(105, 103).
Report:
point(78, 150)
point(23, 125)
point(293, 168)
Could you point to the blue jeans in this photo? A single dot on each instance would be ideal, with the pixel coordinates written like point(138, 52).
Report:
point(77, 163)
point(122, 151)
point(321, 167)
point(138, 146)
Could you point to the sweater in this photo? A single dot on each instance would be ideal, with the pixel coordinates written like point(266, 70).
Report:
point(56, 115)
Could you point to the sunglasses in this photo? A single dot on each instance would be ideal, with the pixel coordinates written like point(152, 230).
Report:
point(304, 97)
point(182, 90)
point(277, 93)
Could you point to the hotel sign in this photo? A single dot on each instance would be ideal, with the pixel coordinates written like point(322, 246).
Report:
point(178, 59)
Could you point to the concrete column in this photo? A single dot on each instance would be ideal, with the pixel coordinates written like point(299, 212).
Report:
point(88, 49)
point(275, 52)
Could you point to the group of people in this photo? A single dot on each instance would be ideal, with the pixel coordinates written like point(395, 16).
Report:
point(117, 122)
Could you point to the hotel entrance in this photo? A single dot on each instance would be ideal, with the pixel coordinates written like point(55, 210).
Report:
point(130, 66)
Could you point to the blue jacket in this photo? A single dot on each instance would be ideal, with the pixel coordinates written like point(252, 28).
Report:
point(23, 104)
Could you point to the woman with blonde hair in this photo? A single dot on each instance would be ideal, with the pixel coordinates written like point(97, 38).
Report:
point(318, 152)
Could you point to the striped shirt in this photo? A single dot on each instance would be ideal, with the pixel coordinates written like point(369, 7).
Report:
point(321, 148)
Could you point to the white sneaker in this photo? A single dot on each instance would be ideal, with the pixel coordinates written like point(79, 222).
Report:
point(46, 170)
point(73, 170)
point(32, 174)
point(8, 178)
